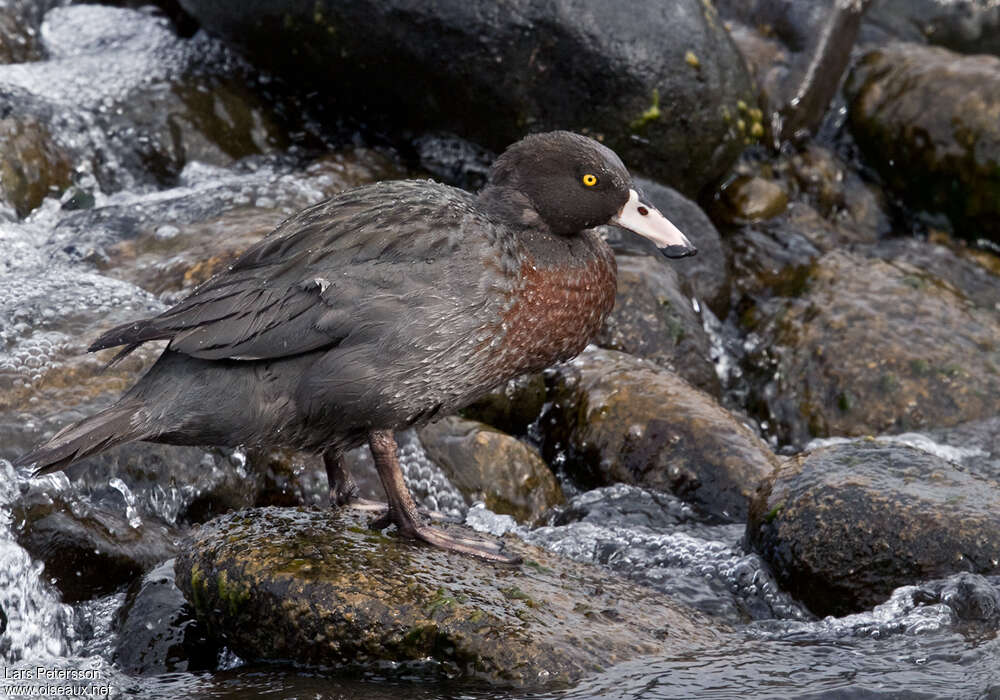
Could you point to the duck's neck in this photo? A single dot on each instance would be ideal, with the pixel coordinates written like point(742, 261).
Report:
point(512, 207)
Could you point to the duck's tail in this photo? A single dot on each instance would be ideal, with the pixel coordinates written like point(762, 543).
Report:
point(97, 433)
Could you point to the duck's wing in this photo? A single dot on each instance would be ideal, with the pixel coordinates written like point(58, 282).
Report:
point(326, 274)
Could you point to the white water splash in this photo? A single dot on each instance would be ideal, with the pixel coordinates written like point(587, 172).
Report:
point(955, 455)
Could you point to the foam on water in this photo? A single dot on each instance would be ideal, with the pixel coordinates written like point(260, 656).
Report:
point(951, 453)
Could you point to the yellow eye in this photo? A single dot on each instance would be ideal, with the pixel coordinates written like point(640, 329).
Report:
point(589, 180)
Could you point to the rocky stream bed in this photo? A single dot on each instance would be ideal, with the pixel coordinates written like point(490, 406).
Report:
point(775, 473)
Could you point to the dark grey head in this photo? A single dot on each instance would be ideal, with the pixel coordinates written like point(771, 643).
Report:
point(574, 183)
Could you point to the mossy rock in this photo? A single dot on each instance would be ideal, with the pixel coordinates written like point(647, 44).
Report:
point(315, 586)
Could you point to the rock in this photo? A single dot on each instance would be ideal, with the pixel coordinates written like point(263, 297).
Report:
point(290, 478)
point(32, 166)
point(486, 465)
point(512, 408)
point(754, 198)
point(704, 275)
point(622, 419)
point(626, 506)
point(968, 26)
point(88, 549)
point(317, 587)
point(157, 630)
point(859, 347)
point(838, 193)
point(970, 596)
point(455, 161)
point(774, 257)
point(769, 259)
point(976, 273)
point(898, 515)
point(660, 84)
point(654, 319)
point(929, 120)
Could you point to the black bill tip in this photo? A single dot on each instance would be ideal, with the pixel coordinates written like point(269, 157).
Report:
point(679, 251)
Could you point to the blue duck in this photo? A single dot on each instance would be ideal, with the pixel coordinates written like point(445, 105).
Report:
point(381, 308)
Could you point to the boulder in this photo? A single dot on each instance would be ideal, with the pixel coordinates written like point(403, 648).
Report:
point(32, 166)
point(157, 630)
point(487, 465)
point(88, 549)
point(857, 346)
point(317, 587)
point(616, 418)
point(929, 121)
point(660, 84)
point(842, 526)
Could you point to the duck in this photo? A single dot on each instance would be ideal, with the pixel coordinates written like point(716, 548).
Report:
point(380, 309)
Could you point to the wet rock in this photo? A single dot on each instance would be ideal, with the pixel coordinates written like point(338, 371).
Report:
point(834, 188)
point(795, 23)
point(32, 166)
point(771, 259)
point(705, 274)
point(929, 120)
point(970, 596)
point(623, 419)
point(859, 346)
point(512, 408)
point(656, 83)
point(290, 478)
point(455, 161)
point(766, 58)
point(317, 587)
point(754, 198)
point(654, 319)
point(775, 256)
point(976, 273)
point(486, 465)
point(968, 26)
point(88, 548)
point(626, 506)
point(898, 515)
point(161, 101)
point(157, 630)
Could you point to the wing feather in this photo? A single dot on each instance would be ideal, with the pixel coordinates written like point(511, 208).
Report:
point(316, 279)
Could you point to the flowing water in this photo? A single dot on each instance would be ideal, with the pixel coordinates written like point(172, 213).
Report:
point(936, 639)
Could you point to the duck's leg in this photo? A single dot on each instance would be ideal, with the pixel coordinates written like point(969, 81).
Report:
point(403, 512)
point(343, 490)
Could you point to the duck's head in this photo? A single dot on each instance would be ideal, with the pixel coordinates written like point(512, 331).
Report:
point(571, 183)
